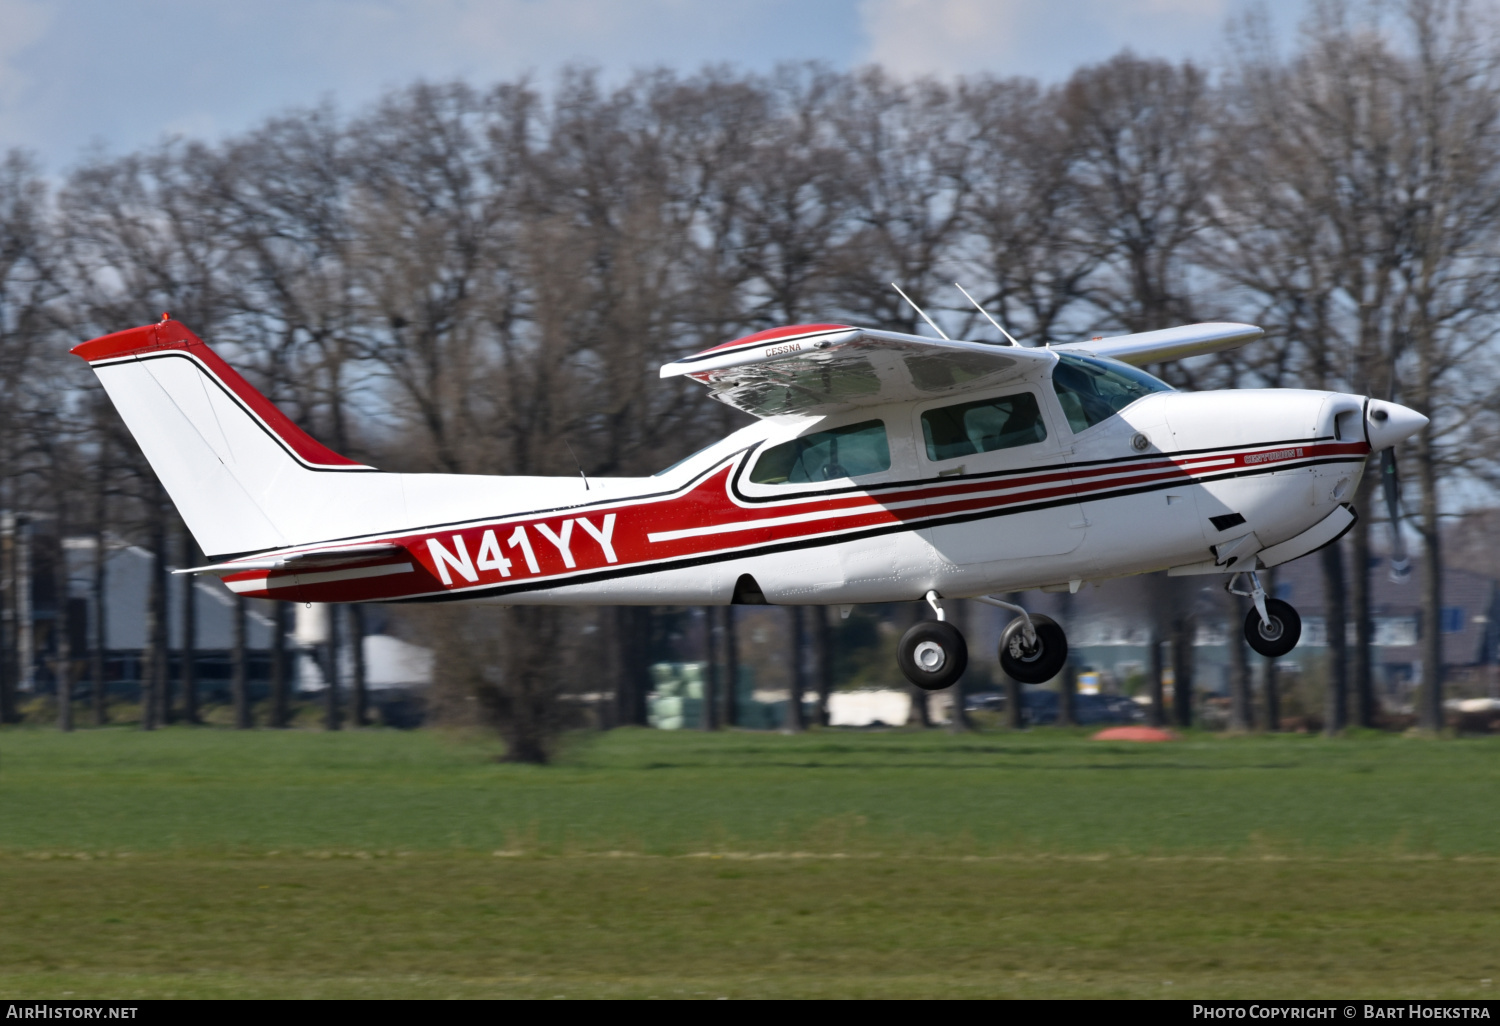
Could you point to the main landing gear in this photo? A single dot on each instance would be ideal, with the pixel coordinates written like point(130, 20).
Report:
point(933, 654)
point(1273, 627)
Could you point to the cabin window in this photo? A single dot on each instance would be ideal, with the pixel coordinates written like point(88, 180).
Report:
point(851, 451)
point(1091, 389)
point(1003, 422)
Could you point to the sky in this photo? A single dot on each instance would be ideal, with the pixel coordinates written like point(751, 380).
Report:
point(122, 74)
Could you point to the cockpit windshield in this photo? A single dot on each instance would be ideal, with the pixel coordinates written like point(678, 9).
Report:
point(1091, 390)
point(667, 470)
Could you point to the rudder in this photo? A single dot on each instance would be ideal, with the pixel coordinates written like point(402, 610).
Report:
point(235, 465)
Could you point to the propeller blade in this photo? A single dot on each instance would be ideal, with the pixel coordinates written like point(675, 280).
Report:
point(1390, 482)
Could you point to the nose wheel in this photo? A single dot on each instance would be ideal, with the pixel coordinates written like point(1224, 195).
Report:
point(1273, 627)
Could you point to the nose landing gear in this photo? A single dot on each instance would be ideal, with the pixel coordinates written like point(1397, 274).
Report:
point(933, 655)
point(1273, 627)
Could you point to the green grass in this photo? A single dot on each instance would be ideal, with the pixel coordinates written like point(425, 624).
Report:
point(212, 862)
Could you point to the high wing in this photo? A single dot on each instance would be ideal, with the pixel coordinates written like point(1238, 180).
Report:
point(1168, 344)
point(817, 368)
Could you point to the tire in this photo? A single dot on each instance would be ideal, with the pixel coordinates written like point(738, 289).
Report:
point(933, 655)
point(1040, 665)
point(1285, 629)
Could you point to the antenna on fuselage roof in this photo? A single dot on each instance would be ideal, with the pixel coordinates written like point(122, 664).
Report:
point(932, 324)
point(578, 465)
point(986, 313)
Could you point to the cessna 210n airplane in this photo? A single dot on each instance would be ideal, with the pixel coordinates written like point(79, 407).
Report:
point(882, 467)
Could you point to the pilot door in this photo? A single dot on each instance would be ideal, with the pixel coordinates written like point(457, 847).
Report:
point(998, 487)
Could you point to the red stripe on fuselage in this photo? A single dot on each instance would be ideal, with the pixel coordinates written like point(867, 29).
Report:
point(718, 525)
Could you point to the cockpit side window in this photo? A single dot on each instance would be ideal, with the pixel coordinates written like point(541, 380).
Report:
point(850, 451)
point(985, 425)
point(1091, 390)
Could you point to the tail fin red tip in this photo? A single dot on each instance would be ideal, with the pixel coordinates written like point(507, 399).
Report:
point(164, 334)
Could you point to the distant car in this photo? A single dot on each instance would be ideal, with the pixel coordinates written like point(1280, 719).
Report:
point(1040, 707)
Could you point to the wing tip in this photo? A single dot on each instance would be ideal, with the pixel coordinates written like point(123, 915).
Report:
point(787, 334)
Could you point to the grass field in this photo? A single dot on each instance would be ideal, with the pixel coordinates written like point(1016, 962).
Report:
point(212, 862)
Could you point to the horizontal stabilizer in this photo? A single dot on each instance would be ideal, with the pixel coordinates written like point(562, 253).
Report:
point(343, 556)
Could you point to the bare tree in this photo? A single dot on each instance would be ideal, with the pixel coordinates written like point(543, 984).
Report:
point(1184, 628)
point(98, 604)
point(239, 684)
point(795, 722)
point(1272, 238)
point(825, 655)
point(187, 626)
point(280, 713)
point(791, 197)
point(1451, 294)
point(333, 714)
point(471, 672)
point(711, 688)
point(731, 670)
point(1370, 211)
point(960, 721)
point(1241, 702)
point(1067, 681)
point(905, 184)
point(1144, 164)
point(62, 664)
point(154, 664)
point(285, 196)
point(359, 698)
point(1027, 226)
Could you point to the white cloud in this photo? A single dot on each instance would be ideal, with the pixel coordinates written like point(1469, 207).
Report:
point(395, 39)
point(125, 72)
point(921, 37)
point(1047, 40)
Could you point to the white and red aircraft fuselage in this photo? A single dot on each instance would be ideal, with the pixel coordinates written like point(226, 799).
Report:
point(883, 467)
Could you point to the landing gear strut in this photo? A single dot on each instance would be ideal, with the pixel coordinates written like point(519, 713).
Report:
point(933, 654)
point(1033, 648)
point(1273, 627)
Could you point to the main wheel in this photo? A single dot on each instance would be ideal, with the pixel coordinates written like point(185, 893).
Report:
point(1039, 663)
point(1277, 637)
point(933, 655)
